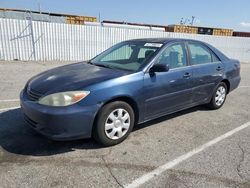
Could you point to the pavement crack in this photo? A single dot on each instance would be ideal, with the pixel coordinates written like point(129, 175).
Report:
point(110, 171)
point(242, 158)
point(175, 177)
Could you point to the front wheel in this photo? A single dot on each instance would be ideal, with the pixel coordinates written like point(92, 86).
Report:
point(219, 96)
point(114, 123)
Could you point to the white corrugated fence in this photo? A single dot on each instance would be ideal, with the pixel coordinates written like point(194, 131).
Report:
point(42, 41)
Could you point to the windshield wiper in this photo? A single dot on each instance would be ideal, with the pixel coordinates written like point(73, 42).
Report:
point(102, 65)
point(107, 66)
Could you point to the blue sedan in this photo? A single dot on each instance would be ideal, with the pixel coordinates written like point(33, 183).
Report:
point(130, 83)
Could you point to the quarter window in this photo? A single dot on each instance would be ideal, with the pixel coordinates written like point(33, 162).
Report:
point(215, 58)
point(200, 54)
point(174, 56)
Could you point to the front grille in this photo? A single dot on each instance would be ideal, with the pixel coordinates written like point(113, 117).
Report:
point(33, 95)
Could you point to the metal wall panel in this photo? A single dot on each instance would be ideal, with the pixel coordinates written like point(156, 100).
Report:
point(42, 41)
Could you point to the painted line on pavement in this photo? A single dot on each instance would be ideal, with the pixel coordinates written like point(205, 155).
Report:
point(244, 86)
point(10, 100)
point(10, 108)
point(158, 171)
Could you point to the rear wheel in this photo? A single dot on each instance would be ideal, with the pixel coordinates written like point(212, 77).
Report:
point(114, 123)
point(219, 96)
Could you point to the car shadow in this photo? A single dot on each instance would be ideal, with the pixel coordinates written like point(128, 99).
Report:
point(18, 138)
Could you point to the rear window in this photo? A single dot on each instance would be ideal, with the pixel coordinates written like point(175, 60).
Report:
point(200, 54)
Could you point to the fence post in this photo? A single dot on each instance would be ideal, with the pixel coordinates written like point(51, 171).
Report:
point(32, 38)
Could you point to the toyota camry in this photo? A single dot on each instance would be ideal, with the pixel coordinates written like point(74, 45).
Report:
point(130, 83)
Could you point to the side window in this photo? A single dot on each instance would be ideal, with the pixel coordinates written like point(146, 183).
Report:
point(200, 54)
point(123, 53)
point(175, 56)
point(145, 52)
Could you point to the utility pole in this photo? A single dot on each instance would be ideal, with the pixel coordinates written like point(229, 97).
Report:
point(39, 7)
point(181, 22)
point(187, 21)
point(192, 22)
point(99, 17)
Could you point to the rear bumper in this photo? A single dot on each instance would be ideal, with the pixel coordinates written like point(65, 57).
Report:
point(234, 83)
point(59, 123)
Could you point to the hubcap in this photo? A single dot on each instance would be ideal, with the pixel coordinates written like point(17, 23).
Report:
point(117, 124)
point(220, 96)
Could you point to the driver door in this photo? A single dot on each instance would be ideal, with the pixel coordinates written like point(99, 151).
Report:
point(170, 91)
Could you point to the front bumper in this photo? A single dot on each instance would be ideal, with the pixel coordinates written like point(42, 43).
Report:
point(59, 123)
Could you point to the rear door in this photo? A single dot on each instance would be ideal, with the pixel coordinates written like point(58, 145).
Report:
point(207, 71)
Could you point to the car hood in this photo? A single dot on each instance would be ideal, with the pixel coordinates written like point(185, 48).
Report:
point(72, 77)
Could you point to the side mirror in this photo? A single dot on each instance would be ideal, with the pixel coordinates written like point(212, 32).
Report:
point(159, 68)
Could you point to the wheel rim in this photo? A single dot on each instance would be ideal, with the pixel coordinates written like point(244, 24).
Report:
point(220, 96)
point(117, 124)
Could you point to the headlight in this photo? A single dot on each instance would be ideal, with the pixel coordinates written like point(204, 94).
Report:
point(63, 98)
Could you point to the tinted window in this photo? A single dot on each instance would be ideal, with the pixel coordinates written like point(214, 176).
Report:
point(199, 54)
point(174, 56)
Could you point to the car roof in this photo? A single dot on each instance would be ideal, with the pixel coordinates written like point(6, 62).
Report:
point(167, 40)
point(163, 40)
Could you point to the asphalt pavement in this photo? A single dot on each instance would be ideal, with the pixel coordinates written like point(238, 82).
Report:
point(28, 159)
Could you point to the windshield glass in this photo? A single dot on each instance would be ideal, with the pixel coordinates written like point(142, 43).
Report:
point(129, 55)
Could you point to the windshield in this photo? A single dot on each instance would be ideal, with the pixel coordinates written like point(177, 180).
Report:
point(129, 55)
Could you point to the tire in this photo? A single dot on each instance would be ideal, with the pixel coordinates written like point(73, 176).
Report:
point(114, 122)
point(219, 96)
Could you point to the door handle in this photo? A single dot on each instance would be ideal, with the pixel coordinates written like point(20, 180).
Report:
point(219, 68)
point(187, 75)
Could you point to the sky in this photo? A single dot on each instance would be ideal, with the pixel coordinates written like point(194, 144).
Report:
point(233, 14)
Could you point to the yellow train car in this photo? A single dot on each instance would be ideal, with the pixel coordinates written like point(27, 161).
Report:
point(222, 32)
point(199, 30)
point(79, 20)
point(183, 29)
point(70, 19)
